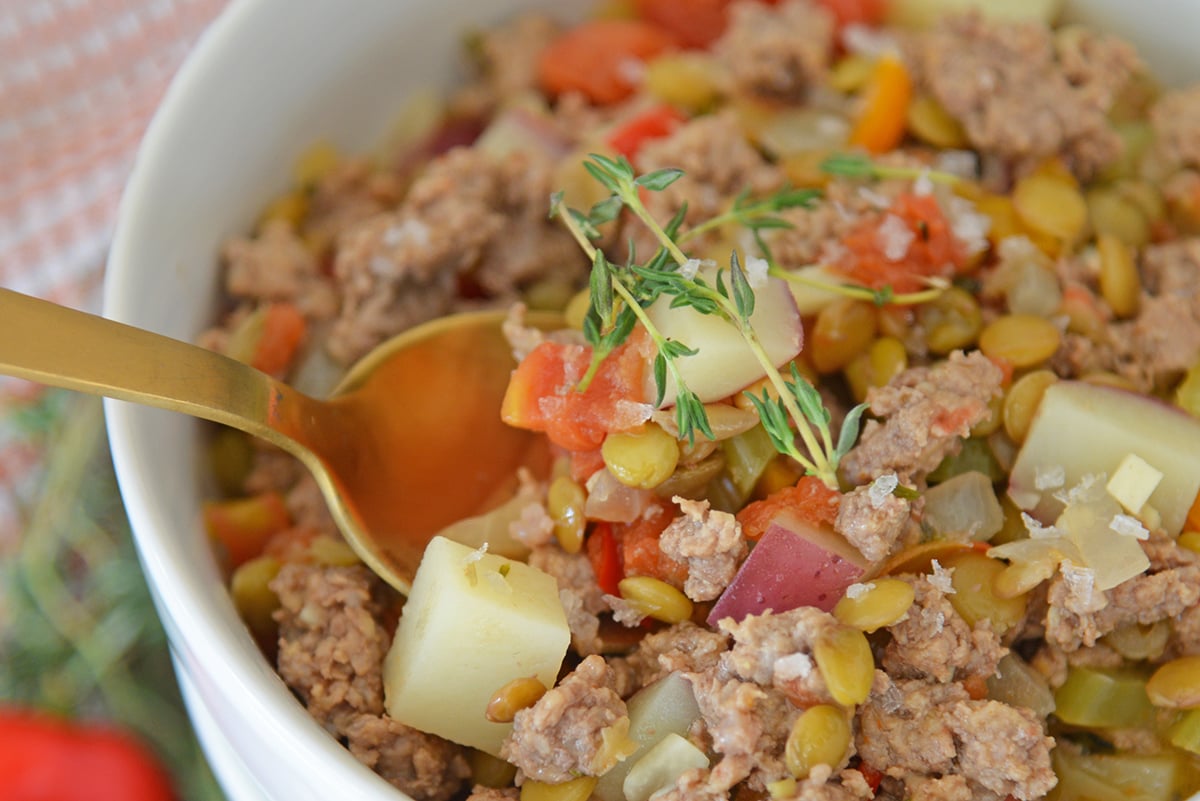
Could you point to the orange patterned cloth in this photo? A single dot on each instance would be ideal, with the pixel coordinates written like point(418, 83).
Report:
point(79, 80)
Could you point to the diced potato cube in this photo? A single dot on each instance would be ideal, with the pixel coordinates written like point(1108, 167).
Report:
point(1089, 428)
point(472, 623)
point(1133, 482)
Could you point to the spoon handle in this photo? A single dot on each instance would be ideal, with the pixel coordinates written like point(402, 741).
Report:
point(51, 344)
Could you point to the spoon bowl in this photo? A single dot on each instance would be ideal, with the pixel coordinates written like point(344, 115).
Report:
point(409, 442)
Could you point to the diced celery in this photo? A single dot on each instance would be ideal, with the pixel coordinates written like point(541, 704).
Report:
point(1118, 777)
point(1185, 732)
point(1103, 699)
point(664, 707)
point(746, 457)
point(976, 455)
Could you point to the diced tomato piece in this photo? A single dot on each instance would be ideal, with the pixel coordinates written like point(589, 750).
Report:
point(604, 552)
point(243, 526)
point(543, 393)
point(653, 123)
point(932, 251)
point(873, 776)
point(694, 23)
point(600, 58)
point(810, 499)
point(585, 463)
point(640, 553)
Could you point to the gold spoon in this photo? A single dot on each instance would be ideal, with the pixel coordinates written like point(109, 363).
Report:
point(410, 441)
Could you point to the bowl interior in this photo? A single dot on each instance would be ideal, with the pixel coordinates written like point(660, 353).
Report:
point(269, 78)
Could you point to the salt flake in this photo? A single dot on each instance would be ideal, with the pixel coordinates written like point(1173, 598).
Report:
point(895, 237)
point(793, 666)
point(756, 271)
point(856, 591)
point(410, 232)
point(881, 489)
point(1036, 529)
point(1129, 526)
point(942, 577)
point(689, 268)
point(1046, 477)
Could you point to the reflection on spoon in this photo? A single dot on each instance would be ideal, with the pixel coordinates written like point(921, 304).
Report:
point(410, 441)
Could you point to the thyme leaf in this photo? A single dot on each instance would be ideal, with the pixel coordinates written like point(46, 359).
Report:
point(857, 165)
point(621, 294)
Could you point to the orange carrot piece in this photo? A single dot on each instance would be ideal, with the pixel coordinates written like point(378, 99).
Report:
point(283, 332)
point(243, 525)
point(880, 126)
point(600, 58)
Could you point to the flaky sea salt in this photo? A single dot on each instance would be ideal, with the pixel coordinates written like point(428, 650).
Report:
point(970, 227)
point(868, 40)
point(1047, 477)
point(1084, 490)
point(793, 666)
point(874, 198)
point(1036, 529)
point(756, 271)
point(881, 488)
point(1081, 584)
point(895, 237)
point(381, 266)
point(689, 268)
point(856, 591)
point(1129, 526)
point(942, 578)
point(923, 184)
point(410, 232)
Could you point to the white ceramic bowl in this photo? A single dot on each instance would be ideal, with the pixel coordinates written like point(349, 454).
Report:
point(270, 77)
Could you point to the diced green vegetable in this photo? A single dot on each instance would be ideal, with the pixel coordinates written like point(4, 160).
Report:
point(1103, 699)
point(1118, 777)
point(746, 457)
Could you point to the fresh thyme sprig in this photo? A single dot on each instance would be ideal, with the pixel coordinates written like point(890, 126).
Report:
point(882, 296)
point(857, 165)
point(759, 215)
point(731, 297)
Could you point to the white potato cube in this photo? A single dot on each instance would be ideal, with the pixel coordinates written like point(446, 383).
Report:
point(726, 364)
point(1089, 429)
point(1134, 482)
point(472, 623)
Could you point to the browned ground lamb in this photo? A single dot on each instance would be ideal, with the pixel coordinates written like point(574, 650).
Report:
point(777, 651)
point(575, 729)
point(926, 412)
point(934, 643)
point(1023, 94)
point(778, 53)
point(914, 730)
point(709, 542)
point(874, 520)
point(331, 648)
point(470, 216)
